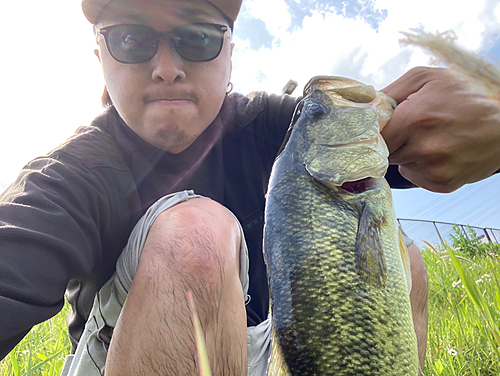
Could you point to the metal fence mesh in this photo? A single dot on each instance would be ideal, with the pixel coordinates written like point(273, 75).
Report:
point(434, 232)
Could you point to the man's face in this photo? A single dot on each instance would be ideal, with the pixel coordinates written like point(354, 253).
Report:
point(167, 101)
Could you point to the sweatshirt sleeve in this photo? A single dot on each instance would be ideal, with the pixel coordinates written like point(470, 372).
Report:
point(51, 221)
point(396, 180)
point(281, 108)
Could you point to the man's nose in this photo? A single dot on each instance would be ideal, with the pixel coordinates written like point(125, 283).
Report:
point(168, 65)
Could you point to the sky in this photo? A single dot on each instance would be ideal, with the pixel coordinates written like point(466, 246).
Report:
point(52, 82)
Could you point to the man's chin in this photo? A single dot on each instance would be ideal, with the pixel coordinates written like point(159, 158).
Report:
point(173, 140)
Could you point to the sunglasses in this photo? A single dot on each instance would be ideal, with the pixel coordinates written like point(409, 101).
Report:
point(133, 44)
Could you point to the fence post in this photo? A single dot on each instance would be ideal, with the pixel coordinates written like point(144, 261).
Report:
point(465, 233)
point(487, 235)
point(493, 233)
point(439, 234)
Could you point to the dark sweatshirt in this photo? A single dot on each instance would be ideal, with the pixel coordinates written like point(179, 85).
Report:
point(65, 220)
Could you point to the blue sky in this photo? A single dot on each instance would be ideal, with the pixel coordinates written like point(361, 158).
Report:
point(492, 49)
point(362, 42)
point(52, 82)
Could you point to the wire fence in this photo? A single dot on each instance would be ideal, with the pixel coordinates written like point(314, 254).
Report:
point(435, 232)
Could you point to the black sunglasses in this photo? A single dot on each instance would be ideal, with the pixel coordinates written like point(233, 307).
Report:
point(132, 43)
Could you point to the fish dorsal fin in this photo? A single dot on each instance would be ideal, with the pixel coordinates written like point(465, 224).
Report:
point(370, 258)
point(276, 365)
point(405, 256)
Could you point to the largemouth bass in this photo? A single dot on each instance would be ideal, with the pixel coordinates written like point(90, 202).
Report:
point(339, 291)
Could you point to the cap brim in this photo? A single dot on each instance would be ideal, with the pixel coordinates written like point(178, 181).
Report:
point(92, 8)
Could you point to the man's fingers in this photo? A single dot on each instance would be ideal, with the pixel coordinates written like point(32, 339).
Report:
point(407, 120)
point(412, 92)
point(444, 133)
point(395, 132)
point(413, 173)
point(412, 81)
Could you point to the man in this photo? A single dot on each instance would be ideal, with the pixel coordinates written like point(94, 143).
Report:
point(110, 214)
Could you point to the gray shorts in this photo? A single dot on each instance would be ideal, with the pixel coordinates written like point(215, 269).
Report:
point(90, 356)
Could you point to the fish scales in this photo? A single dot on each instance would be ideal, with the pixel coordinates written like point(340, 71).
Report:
point(336, 309)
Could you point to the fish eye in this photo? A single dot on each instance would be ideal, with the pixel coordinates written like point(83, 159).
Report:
point(316, 110)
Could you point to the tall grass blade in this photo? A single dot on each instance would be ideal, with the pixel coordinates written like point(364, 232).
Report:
point(41, 364)
point(200, 341)
point(30, 354)
point(497, 291)
point(433, 249)
point(476, 296)
point(15, 364)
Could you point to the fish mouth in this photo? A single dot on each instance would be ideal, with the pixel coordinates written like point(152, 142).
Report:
point(359, 186)
point(373, 141)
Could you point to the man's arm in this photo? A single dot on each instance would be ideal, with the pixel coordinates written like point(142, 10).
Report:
point(442, 134)
point(419, 300)
point(48, 235)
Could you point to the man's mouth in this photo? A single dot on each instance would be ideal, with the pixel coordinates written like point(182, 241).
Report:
point(172, 98)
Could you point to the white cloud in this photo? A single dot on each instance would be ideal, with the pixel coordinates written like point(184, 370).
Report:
point(274, 13)
point(332, 44)
point(459, 15)
point(491, 20)
point(299, 54)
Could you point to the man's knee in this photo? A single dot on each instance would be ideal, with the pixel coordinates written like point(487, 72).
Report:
point(192, 246)
point(198, 238)
point(420, 279)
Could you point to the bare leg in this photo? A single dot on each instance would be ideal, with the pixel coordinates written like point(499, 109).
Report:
point(191, 246)
point(419, 300)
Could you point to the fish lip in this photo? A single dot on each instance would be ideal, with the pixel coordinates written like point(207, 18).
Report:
point(313, 80)
point(368, 173)
point(372, 141)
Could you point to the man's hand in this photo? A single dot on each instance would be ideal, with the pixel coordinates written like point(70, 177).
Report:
point(442, 134)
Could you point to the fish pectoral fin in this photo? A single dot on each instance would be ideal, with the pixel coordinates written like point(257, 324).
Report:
point(405, 256)
point(370, 258)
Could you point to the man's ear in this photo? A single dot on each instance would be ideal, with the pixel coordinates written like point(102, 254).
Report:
point(98, 54)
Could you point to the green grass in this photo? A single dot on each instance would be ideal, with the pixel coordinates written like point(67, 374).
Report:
point(462, 321)
point(42, 351)
point(461, 331)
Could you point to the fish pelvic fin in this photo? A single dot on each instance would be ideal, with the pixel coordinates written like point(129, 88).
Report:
point(405, 256)
point(369, 252)
point(276, 365)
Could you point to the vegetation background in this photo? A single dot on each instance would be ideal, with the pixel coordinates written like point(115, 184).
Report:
point(464, 316)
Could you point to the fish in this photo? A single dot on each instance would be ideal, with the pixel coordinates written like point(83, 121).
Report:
point(338, 272)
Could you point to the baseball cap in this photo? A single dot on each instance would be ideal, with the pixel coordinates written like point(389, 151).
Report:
point(230, 8)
